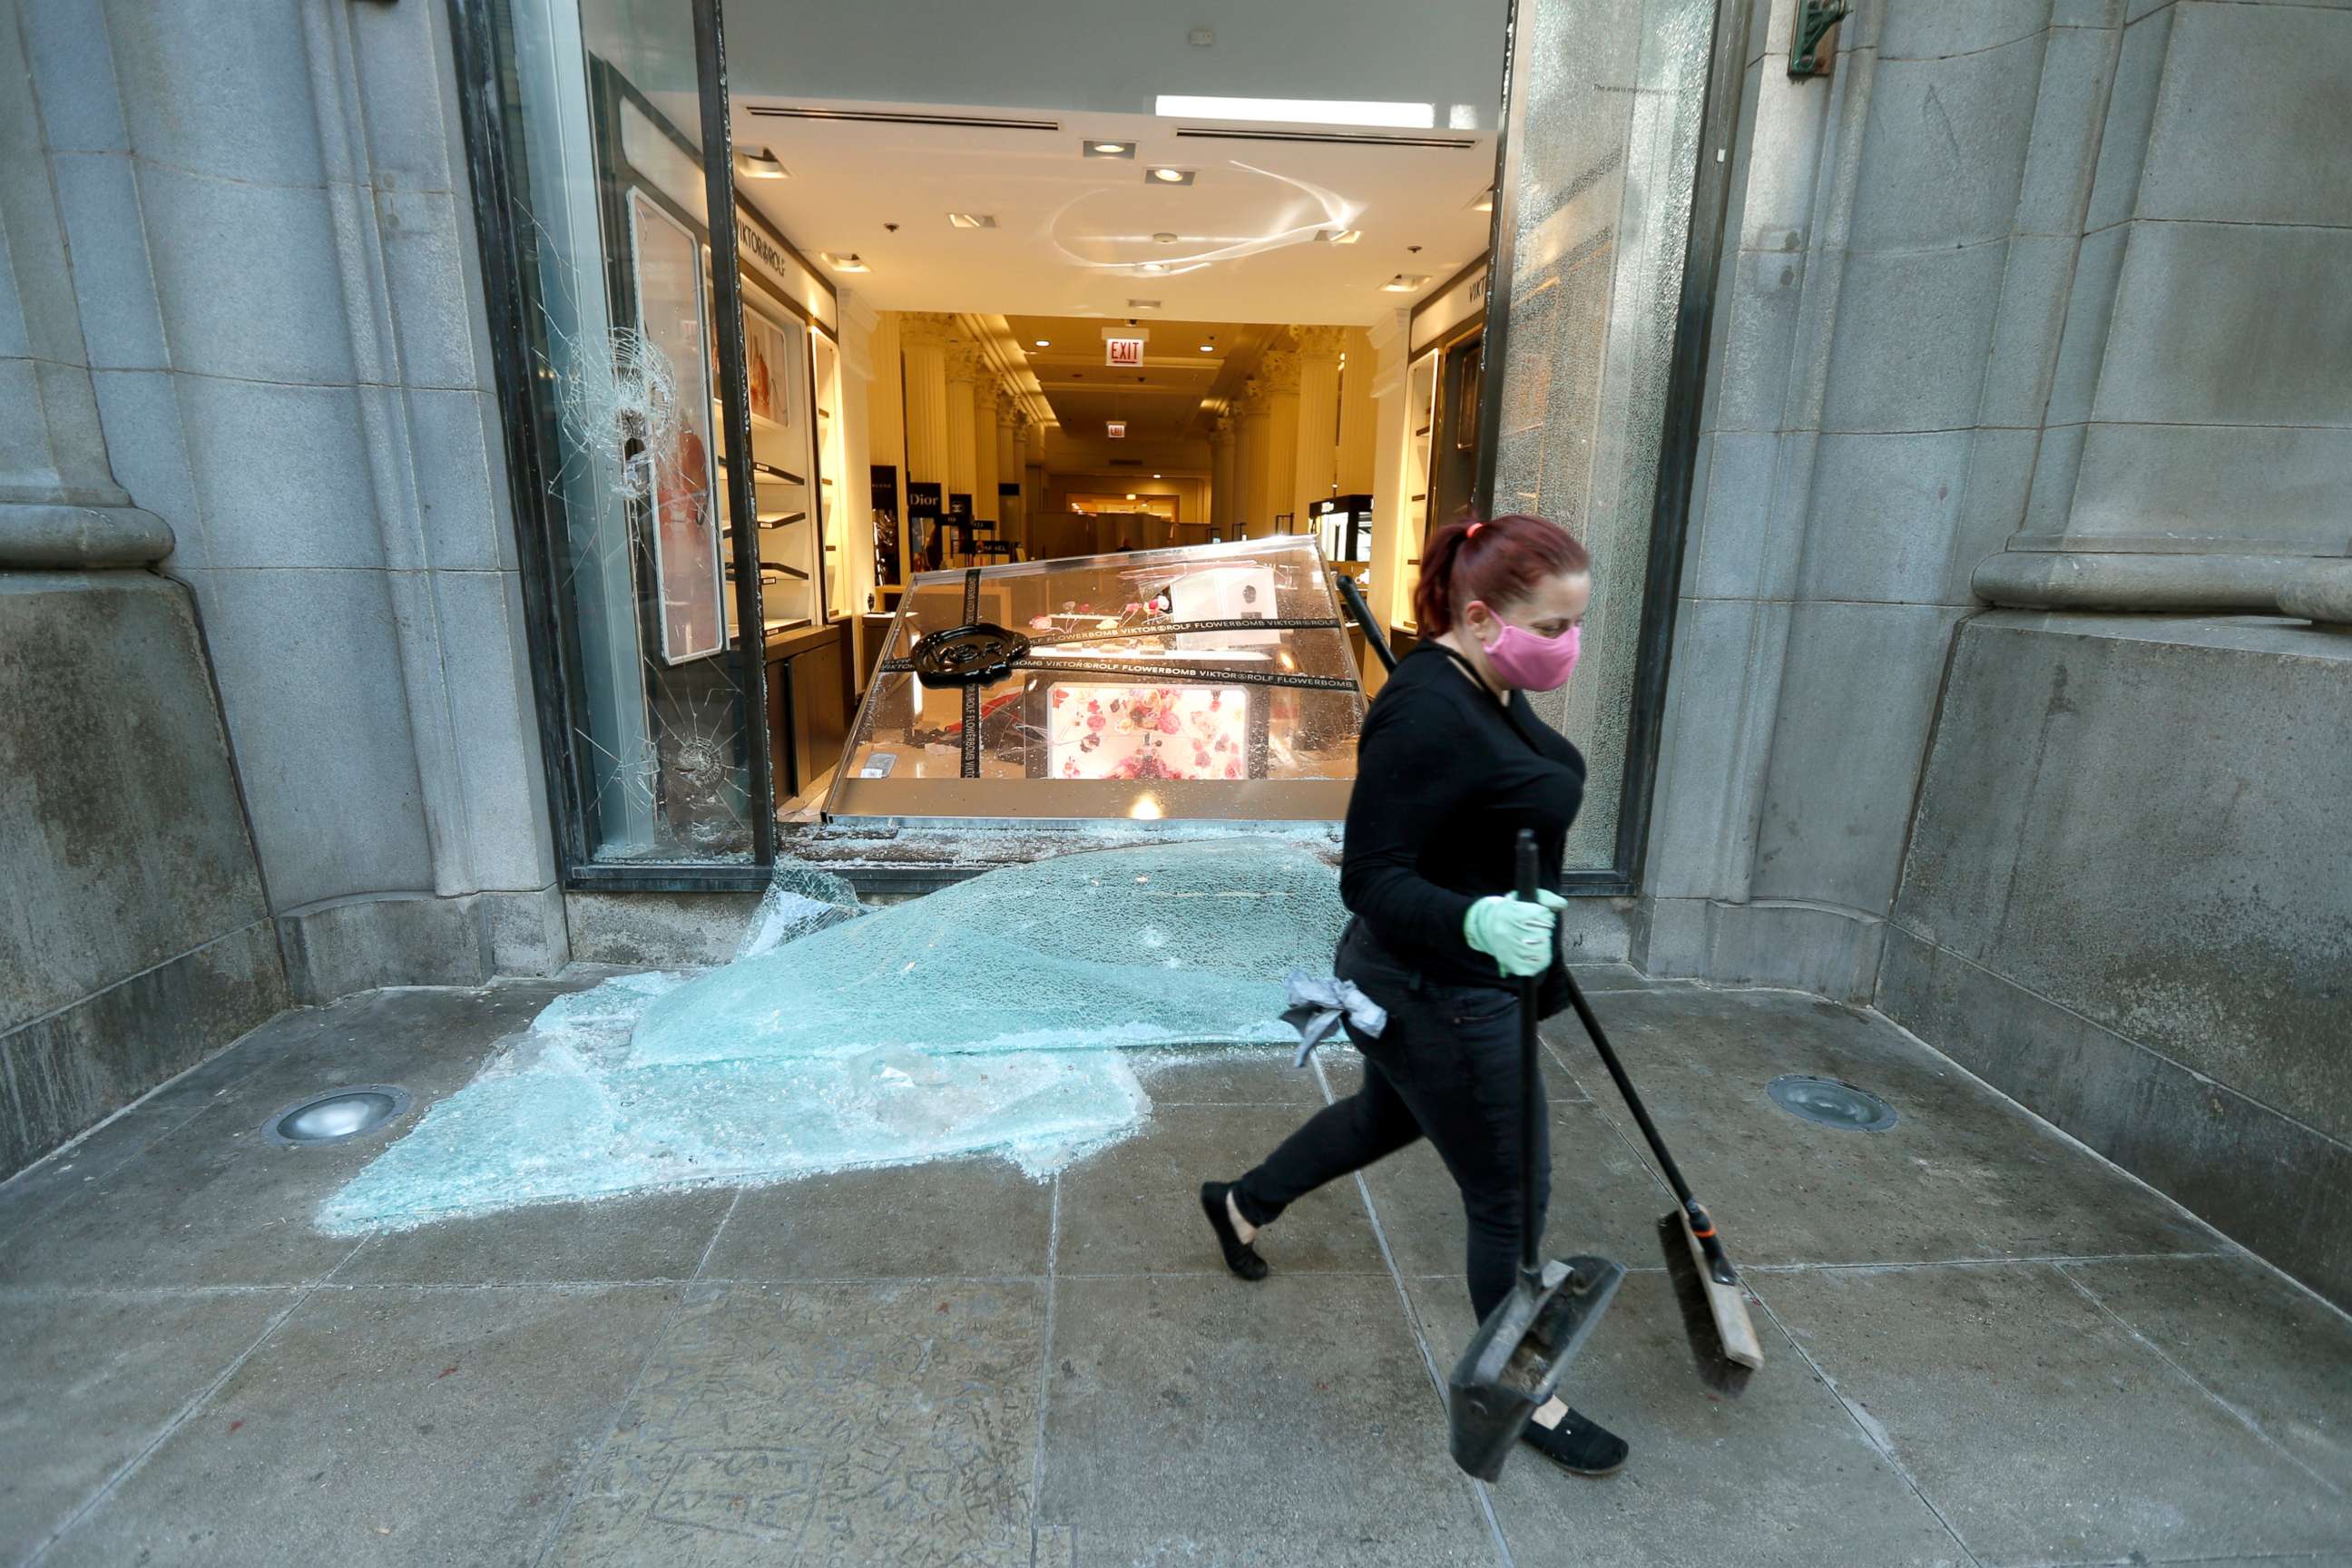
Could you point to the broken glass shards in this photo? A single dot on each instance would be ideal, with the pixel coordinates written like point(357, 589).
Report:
point(1174, 943)
point(985, 1018)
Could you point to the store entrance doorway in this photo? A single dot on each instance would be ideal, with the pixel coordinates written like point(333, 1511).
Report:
point(950, 304)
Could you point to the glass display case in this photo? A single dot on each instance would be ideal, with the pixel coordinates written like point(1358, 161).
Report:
point(1212, 681)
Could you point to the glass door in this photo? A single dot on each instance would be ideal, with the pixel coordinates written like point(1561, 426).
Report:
point(601, 183)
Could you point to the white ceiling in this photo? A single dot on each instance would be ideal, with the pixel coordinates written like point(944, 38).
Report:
point(1076, 56)
point(1073, 234)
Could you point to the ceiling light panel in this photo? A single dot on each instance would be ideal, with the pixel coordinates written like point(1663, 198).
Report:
point(1406, 282)
point(845, 261)
point(1299, 110)
point(760, 164)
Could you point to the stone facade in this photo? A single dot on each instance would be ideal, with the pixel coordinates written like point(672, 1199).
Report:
point(2035, 304)
point(2042, 304)
point(266, 208)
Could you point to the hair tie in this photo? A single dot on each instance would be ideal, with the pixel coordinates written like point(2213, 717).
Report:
point(1473, 531)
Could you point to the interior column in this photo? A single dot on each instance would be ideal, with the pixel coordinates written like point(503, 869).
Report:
point(1317, 457)
point(886, 423)
point(1358, 438)
point(1279, 370)
point(1011, 508)
point(923, 352)
point(1222, 479)
point(1250, 517)
point(963, 456)
point(985, 449)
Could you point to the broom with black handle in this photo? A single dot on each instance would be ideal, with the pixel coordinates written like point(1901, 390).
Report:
point(1707, 1288)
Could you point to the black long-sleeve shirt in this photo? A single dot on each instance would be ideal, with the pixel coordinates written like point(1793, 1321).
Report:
point(1445, 781)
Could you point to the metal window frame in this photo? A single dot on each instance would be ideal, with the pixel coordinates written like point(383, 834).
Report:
point(1686, 393)
point(498, 163)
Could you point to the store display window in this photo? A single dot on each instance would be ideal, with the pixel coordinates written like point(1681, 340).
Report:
point(1213, 682)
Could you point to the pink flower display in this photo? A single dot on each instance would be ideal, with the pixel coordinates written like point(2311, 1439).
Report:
point(1104, 731)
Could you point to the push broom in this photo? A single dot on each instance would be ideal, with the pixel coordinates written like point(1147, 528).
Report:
point(1707, 1288)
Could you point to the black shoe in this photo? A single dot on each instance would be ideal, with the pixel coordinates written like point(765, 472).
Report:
point(1240, 1255)
point(1579, 1446)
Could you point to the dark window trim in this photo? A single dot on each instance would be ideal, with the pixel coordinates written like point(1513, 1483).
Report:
point(1686, 392)
point(497, 165)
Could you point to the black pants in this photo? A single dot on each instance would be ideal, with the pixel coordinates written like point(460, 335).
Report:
point(1446, 1068)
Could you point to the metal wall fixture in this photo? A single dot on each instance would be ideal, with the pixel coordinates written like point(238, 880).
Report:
point(338, 1116)
point(1814, 19)
point(1826, 1103)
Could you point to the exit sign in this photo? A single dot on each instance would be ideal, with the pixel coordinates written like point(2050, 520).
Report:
point(1116, 429)
point(1123, 353)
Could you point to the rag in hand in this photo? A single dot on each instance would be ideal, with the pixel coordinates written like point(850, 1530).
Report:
point(1317, 1006)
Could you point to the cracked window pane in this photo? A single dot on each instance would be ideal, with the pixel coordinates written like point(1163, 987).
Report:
point(1608, 153)
point(618, 306)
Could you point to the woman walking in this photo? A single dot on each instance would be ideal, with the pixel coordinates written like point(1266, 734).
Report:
point(1452, 764)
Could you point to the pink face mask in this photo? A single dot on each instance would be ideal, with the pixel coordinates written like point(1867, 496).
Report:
point(1534, 663)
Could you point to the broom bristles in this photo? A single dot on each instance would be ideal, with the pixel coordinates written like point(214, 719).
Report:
point(1717, 1371)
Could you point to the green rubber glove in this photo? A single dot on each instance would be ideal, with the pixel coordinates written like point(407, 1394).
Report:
point(1516, 936)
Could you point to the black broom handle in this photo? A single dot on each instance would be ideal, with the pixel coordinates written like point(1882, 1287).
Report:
point(1625, 1086)
point(1531, 1105)
point(1702, 1227)
point(1363, 613)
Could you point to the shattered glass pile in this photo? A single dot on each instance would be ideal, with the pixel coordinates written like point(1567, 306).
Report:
point(986, 1018)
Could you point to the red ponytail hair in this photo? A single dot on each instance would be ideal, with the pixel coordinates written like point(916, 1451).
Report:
point(1498, 561)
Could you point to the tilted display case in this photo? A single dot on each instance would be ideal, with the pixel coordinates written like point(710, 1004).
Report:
point(1213, 681)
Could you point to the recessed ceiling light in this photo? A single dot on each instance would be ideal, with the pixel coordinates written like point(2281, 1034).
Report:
point(1208, 348)
point(845, 261)
point(1169, 176)
point(1108, 149)
point(1155, 476)
point(1405, 282)
point(1345, 236)
point(971, 220)
point(1044, 343)
point(760, 164)
point(1143, 304)
point(1132, 496)
point(1153, 267)
point(1483, 202)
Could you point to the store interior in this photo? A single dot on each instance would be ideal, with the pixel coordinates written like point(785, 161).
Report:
point(1062, 284)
